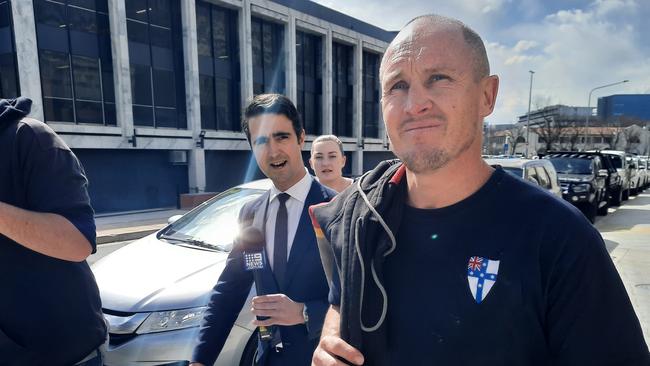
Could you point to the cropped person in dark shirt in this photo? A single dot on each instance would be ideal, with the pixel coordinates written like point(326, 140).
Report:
point(439, 259)
point(50, 311)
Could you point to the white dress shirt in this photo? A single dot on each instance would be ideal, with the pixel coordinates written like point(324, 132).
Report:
point(295, 204)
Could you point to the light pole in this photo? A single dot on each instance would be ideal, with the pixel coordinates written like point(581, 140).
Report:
point(530, 93)
point(586, 134)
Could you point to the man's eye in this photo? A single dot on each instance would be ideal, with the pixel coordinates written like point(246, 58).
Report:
point(438, 77)
point(399, 85)
point(260, 141)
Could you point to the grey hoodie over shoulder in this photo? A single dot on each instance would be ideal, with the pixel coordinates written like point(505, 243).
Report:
point(355, 233)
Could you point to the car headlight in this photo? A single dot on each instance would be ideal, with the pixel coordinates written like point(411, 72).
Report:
point(163, 321)
point(581, 188)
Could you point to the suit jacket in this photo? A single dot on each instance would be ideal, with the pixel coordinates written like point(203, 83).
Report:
point(305, 282)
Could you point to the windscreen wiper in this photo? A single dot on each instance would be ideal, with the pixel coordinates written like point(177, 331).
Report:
point(194, 243)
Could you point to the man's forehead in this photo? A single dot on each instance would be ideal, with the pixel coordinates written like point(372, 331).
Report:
point(268, 123)
point(418, 41)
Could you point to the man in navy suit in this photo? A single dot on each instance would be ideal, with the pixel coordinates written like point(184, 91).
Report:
point(297, 288)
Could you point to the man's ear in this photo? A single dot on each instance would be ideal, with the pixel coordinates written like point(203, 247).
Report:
point(489, 89)
point(301, 138)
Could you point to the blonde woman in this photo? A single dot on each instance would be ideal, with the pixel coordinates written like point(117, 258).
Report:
point(327, 160)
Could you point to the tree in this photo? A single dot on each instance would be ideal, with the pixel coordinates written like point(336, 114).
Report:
point(517, 135)
point(573, 134)
point(632, 136)
point(548, 130)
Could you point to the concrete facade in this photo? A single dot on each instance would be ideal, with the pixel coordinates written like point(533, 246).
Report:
point(193, 140)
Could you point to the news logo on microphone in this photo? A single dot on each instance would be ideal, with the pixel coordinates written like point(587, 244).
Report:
point(254, 261)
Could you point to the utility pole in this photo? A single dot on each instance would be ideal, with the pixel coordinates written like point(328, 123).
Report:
point(530, 93)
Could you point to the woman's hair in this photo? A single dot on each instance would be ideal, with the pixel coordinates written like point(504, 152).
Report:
point(323, 138)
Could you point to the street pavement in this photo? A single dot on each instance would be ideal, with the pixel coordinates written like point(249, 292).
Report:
point(626, 230)
point(627, 236)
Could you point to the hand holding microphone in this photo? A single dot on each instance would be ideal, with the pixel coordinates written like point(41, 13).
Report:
point(270, 309)
point(252, 242)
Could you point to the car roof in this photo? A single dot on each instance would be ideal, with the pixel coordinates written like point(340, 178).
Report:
point(514, 162)
point(613, 152)
point(573, 155)
point(263, 184)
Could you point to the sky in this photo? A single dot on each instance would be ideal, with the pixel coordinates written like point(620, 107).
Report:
point(572, 46)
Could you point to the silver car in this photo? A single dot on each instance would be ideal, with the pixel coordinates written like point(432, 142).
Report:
point(537, 171)
point(155, 290)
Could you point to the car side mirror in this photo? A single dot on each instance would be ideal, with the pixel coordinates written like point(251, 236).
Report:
point(173, 219)
point(602, 173)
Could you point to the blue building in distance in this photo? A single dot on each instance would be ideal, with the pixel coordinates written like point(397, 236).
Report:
point(631, 106)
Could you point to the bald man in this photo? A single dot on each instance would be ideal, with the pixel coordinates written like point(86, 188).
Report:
point(423, 266)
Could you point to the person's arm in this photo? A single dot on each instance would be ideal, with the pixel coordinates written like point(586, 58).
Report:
point(46, 233)
point(281, 310)
point(227, 299)
point(51, 214)
point(331, 346)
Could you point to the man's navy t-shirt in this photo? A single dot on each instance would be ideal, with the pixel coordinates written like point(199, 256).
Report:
point(49, 308)
point(549, 293)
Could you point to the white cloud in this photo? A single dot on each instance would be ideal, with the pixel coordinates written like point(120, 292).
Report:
point(572, 45)
point(525, 45)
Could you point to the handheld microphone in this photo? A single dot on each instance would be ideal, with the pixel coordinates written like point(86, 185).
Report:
point(252, 242)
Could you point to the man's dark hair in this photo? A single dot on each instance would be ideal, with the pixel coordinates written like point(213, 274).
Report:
point(271, 104)
point(472, 39)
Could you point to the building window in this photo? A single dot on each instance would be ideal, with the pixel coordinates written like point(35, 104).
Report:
point(9, 87)
point(74, 50)
point(156, 60)
point(342, 81)
point(218, 50)
point(370, 112)
point(268, 56)
point(309, 56)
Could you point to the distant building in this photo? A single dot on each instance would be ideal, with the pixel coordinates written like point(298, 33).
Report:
point(149, 93)
point(624, 106)
point(556, 112)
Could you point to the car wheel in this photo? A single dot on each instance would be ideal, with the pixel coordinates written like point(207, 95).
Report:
point(626, 194)
point(617, 197)
point(589, 210)
point(634, 192)
point(602, 211)
point(250, 351)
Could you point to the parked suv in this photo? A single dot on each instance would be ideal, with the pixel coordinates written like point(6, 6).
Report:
point(582, 178)
point(614, 181)
point(620, 163)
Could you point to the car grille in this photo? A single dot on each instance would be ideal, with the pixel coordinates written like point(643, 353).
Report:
point(115, 340)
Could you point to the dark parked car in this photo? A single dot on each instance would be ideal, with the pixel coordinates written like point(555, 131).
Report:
point(583, 179)
point(614, 182)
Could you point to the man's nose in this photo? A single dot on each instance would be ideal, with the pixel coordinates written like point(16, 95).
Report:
point(417, 101)
point(272, 148)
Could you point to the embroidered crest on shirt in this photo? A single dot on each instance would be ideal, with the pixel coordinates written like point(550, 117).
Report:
point(481, 276)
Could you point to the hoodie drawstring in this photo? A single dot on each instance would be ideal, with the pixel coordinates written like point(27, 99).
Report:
point(357, 248)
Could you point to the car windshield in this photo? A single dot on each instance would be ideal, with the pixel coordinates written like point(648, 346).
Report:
point(214, 224)
point(572, 165)
point(517, 172)
point(616, 161)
